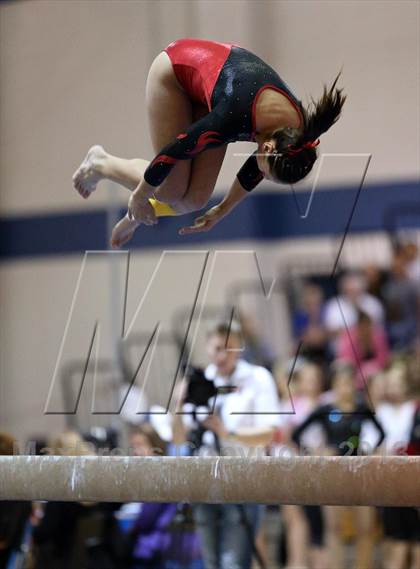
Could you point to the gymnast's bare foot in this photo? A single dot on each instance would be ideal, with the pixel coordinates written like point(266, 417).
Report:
point(123, 231)
point(90, 171)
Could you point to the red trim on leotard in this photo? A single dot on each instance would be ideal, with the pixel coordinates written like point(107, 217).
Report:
point(204, 139)
point(164, 159)
point(254, 105)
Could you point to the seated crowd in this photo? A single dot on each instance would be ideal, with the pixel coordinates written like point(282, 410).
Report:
point(350, 387)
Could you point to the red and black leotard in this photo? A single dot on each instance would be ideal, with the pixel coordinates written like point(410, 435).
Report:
point(228, 80)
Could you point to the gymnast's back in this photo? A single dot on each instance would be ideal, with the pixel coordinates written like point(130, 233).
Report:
point(228, 77)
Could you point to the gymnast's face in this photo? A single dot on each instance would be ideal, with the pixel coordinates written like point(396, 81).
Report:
point(224, 354)
point(265, 148)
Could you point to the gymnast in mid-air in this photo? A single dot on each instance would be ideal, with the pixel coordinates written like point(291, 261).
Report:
point(201, 95)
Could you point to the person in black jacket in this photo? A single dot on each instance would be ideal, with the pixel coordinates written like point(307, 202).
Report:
point(341, 422)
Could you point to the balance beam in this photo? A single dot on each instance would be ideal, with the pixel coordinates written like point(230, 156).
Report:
point(351, 481)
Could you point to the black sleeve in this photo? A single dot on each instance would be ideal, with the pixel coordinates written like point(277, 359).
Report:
point(314, 417)
point(205, 133)
point(250, 175)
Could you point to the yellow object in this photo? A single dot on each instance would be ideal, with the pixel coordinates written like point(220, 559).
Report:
point(162, 209)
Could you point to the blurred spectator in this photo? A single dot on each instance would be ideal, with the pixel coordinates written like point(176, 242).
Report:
point(309, 323)
point(397, 414)
point(101, 439)
point(256, 350)
point(242, 416)
point(402, 525)
point(342, 422)
point(342, 419)
point(145, 441)
point(304, 527)
point(413, 365)
point(401, 296)
point(376, 385)
point(413, 448)
point(409, 250)
point(287, 382)
point(57, 541)
point(365, 346)
point(341, 311)
point(375, 280)
point(13, 515)
point(162, 535)
point(134, 410)
point(149, 537)
point(299, 397)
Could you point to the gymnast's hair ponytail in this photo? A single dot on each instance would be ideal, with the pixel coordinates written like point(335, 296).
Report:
point(295, 152)
point(324, 113)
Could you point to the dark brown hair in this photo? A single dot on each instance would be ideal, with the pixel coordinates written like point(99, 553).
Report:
point(225, 329)
point(294, 156)
point(147, 430)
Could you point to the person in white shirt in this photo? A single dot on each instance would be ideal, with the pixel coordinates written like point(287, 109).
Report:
point(396, 415)
point(242, 423)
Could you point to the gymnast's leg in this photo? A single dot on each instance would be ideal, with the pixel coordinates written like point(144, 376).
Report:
point(169, 112)
point(99, 165)
point(191, 182)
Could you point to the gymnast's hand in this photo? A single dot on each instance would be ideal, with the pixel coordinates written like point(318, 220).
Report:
point(140, 209)
point(205, 222)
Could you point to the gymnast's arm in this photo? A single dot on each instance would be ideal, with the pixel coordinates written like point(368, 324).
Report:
point(248, 177)
point(205, 133)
